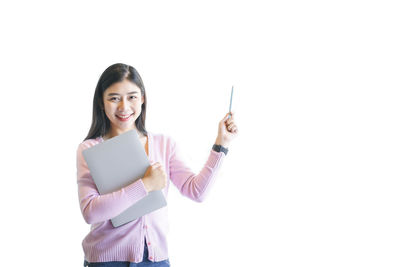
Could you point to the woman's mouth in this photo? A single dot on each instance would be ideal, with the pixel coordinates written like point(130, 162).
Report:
point(124, 117)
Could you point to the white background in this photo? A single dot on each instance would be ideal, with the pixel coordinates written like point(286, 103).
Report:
point(311, 180)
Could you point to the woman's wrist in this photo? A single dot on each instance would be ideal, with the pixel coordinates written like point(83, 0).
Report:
point(221, 142)
point(146, 185)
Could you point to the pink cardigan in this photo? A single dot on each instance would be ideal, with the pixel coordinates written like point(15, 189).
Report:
point(126, 243)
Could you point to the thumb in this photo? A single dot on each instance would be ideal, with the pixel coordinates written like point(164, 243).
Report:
point(227, 116)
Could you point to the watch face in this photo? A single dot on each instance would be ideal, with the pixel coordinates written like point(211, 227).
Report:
point(217, 148)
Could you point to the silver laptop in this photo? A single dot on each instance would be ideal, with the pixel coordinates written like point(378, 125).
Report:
point(116, 163)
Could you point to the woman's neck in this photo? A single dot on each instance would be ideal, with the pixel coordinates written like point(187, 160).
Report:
point(112, 134)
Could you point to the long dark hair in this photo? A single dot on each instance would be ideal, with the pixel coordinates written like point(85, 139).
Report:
point(115, 73)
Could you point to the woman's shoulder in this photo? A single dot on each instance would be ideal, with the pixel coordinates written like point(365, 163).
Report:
point(89, 143)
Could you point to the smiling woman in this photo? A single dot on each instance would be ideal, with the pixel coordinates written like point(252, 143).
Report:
point(122, 105)
point(113, 97)
point(119, 105)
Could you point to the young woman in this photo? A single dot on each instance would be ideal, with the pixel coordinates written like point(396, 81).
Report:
point(119, 105)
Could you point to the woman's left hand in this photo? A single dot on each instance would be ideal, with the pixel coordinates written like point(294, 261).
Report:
point(227, 130)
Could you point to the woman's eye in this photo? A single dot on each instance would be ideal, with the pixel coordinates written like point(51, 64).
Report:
point(133, 97)
point(113, 98)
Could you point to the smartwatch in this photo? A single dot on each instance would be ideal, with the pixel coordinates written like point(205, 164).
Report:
point(219, 148)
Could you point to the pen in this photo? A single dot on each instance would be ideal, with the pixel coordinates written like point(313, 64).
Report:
point(230, 105)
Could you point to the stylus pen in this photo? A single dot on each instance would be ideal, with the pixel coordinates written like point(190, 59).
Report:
point(230, 105)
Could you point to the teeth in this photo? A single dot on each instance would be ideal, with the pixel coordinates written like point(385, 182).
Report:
point(123, 117)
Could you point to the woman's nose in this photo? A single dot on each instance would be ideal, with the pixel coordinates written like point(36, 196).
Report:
point(123, 105)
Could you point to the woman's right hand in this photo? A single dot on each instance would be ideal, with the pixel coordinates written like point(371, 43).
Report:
point(155, 177)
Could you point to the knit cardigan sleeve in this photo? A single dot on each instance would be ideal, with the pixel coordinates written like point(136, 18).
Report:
point(97, 208)
point(192, 185)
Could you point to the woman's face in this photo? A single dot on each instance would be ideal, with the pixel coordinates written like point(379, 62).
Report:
point(122, 105)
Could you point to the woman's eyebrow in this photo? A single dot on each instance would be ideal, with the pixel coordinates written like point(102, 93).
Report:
point(130, 93)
